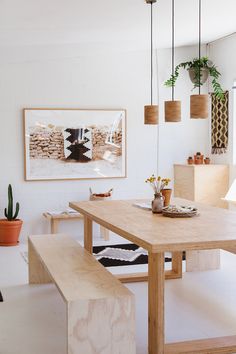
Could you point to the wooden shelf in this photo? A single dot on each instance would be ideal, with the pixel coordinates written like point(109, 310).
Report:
point(206, 184)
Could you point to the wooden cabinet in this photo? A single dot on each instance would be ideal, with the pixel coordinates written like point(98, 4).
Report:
point(204, 184)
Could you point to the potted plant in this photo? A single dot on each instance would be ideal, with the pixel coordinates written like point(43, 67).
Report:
point(11, 226)
point(199, 70)
point(159, 185)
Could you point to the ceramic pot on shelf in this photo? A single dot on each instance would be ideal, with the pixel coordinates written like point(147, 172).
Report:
point(198, 161)
point(157, 203)
point(190, 160)
point(198, 158)
point(167, 196)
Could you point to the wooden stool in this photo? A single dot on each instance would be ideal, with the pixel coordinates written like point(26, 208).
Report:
point(56, 218)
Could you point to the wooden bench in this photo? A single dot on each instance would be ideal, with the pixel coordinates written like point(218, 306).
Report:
point(56, 218)
point(100, 310)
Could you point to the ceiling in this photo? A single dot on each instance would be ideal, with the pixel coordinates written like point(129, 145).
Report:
point(114, 23)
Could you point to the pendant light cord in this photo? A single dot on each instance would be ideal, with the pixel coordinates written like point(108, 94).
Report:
point(173, 46)
point(151, 51)
point(199, 41)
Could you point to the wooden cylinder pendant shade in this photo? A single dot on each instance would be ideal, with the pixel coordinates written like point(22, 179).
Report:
point(199, 106)
point(173, 107)
point(173, 111)
point(151, 114)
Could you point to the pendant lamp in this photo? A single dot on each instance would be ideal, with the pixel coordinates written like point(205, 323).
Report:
point(173, 108)
point(199, 103)
point(151, 112)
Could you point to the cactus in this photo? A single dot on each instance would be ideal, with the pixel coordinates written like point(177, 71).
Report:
point(9, 211)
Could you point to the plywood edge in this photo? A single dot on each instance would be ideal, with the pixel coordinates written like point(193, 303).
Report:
point(204, 346)
point(37, 273)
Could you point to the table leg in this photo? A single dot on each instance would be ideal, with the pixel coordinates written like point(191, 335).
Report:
point(88, 234)
point(156, 279)
point(54, 226)
point(104, 233)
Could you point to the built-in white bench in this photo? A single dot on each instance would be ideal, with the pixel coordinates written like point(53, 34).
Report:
point(100, 310)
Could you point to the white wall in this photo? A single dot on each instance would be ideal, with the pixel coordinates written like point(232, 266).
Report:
point(61, 77)
point(65, 76)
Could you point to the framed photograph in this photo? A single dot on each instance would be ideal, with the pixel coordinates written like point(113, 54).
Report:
point(74, 144)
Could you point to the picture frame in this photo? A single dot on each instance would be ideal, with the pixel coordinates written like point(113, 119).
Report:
point(70, 143)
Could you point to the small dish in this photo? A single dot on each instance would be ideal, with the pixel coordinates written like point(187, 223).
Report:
point(174, 211)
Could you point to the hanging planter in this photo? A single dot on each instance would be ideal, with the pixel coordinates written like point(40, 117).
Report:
point(193, 74)
point(199, 70)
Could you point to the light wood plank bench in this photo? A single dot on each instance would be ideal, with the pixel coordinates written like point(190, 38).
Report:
point(100, 310)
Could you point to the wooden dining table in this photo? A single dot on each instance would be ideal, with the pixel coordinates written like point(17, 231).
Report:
point(213, 228)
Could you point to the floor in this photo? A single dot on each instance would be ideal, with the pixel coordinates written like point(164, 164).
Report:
point(33, 318)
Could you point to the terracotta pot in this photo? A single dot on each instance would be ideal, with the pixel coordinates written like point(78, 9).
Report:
point(167, 195)
point(198, 158)
point(190, 161)
point(198, 161)
point(207, 161)
point(10, 232)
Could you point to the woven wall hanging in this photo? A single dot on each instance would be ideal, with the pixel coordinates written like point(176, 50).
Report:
point(219, 123)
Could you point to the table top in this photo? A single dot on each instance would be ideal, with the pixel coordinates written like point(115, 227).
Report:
point(213, 228)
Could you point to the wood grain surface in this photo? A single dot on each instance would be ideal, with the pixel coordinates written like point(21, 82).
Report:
point(100, 310)
point(213, 228)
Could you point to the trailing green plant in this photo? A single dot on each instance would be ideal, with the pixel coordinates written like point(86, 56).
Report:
point(198, 64)
point(9, 210)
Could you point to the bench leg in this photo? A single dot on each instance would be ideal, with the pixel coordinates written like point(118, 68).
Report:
point(101, 326)
point(37, 272)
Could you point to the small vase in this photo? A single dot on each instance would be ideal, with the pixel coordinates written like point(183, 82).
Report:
point(167, 195)
point(157, 203)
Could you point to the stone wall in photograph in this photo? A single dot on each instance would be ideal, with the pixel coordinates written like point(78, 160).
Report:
point(100, 145)
point(48, 143)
